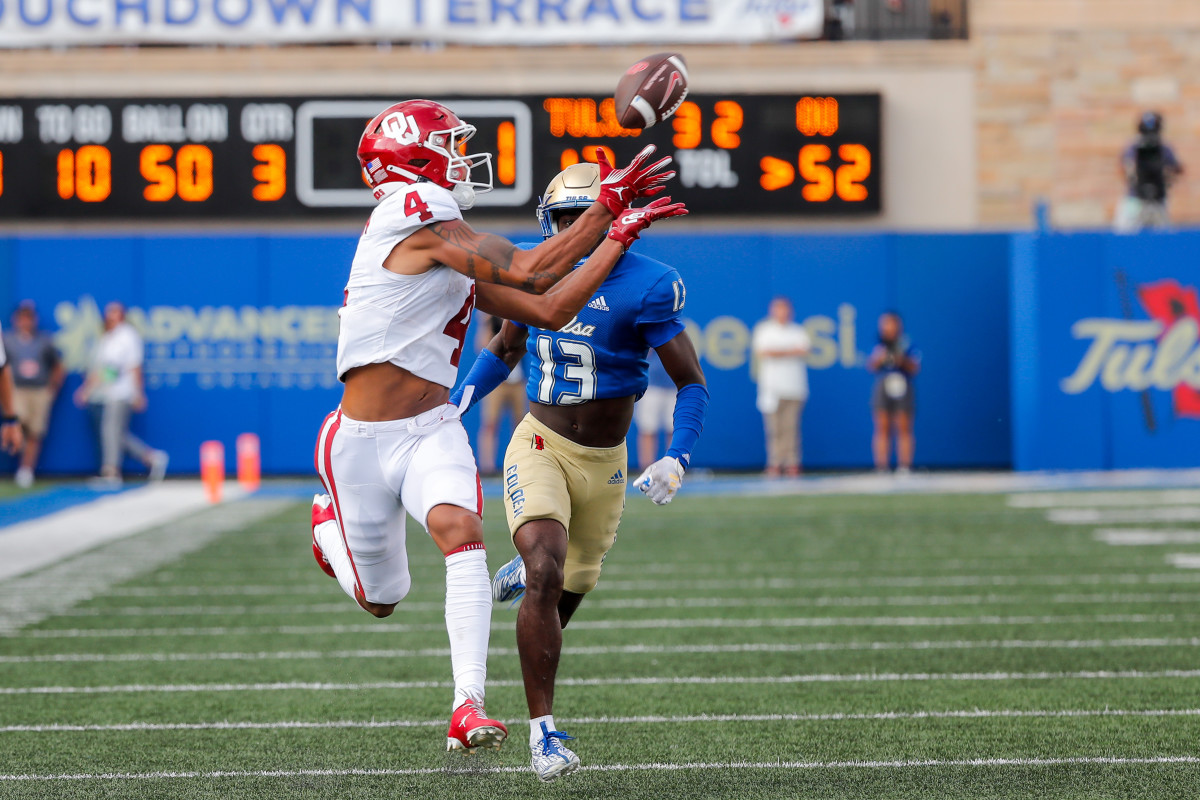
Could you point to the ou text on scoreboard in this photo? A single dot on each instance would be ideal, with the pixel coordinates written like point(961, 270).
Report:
point(293, 157)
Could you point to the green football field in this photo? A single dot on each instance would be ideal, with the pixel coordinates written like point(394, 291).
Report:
point(737, 647)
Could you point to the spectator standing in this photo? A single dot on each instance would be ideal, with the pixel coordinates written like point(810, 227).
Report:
point(1150, 169)
point(839, 19)
point(780, 346)
point(113, 389)
point(893, 401)
point(37, 377)
point(508, 396)
point(654, 412)
point(11, 437)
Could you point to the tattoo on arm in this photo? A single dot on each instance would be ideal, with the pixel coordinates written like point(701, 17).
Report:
point(488, 257)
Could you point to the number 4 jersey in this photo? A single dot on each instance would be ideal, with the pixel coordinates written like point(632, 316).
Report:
point(416, 322)
point(601, 353)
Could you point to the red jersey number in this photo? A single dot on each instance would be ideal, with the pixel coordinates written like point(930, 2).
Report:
point(415, 206)
point(456, 328)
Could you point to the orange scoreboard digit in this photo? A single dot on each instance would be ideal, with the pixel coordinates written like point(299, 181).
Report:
point(795, 154)
point(802, 154)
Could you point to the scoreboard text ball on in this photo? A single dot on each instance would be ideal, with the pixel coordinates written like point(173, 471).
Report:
point(271, 158)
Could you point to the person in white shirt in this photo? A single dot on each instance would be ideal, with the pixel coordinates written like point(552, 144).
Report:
point(11, 439)
point(112, 390)
point(780, 346)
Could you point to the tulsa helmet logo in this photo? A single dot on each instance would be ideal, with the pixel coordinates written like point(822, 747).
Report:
point(401, 127)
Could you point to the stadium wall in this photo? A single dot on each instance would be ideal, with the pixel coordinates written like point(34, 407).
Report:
point(1105, 365)
point(241, 332)
point(1041, 351)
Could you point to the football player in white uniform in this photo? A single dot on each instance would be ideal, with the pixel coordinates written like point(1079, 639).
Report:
point(395, 444)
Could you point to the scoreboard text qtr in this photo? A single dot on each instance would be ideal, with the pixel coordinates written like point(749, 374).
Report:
point(804, 154)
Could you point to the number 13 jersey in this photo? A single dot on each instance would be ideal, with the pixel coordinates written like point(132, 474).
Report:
point(417, 322)
point(601, 353)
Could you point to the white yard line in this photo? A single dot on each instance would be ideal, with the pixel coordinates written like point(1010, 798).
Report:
point(898, 582)
point(1184, 560)
point(713, 719)
point(880, 677)
point(638, 624)
point(350, 608)
point(749, 570)
point(46, 592)
point(652, 767)
point(1096, 516)
point(1099, 499)
point(50, 539)
point(632, 649)
point(1146, 536)
point(735, 584)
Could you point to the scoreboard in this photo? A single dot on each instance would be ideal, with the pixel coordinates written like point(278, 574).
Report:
point(147, 159)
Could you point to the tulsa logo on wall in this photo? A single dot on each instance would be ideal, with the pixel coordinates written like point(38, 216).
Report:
point(1140, 355)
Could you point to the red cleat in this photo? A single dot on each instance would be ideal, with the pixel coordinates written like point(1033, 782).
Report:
point(322, 512)
point(470, 729)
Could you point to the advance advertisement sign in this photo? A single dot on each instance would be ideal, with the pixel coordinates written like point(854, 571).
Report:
point(42, 23)
point(1106, 368)
point(241, 334)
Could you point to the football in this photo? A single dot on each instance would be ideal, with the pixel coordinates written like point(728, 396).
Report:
point(651, 90)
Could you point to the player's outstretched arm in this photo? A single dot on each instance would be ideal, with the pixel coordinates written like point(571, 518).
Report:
point(488, 258)
point(558, 306)
point(662, 479)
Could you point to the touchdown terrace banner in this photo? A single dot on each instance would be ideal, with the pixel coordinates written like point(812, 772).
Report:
point(41, 23)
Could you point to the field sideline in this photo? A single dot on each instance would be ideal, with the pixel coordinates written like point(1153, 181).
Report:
point(834, 646)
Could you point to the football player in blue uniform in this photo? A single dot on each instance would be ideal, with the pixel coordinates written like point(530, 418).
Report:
point(564, 471)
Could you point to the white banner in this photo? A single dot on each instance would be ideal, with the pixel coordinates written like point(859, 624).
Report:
point(40, 23)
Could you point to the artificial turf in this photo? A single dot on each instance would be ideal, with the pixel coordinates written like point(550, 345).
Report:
point(907, 646)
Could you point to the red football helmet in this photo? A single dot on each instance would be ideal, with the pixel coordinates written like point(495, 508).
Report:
point(420, 140)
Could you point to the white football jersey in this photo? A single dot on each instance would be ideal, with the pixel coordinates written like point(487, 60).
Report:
point(417, 322)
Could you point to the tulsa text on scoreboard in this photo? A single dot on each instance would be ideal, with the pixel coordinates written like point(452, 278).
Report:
point(808, 153)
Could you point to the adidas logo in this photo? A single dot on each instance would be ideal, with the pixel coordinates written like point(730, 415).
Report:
point(599, 304)
point(618, 477)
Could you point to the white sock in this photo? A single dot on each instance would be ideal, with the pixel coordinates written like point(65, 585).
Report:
point(535, 728)
point(330, 540)
point(468, 621)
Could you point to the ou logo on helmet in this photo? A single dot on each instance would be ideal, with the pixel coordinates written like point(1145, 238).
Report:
point(401, 127)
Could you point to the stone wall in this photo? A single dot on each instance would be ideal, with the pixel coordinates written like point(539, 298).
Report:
point(1059, 87)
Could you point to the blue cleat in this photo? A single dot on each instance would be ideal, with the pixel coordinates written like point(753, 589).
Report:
point(509, 583)
point(551, 760)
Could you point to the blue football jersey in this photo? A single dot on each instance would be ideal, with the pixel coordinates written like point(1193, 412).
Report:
point(601, 353)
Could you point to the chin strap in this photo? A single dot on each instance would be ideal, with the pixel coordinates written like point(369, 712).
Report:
point(386, 190)
point(464, 196)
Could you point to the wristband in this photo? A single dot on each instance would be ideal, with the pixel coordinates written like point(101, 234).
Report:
point(9, 421)
point(691, 403)
point(488, 372)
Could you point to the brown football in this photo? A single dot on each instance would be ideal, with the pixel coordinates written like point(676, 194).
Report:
point(651, 90)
